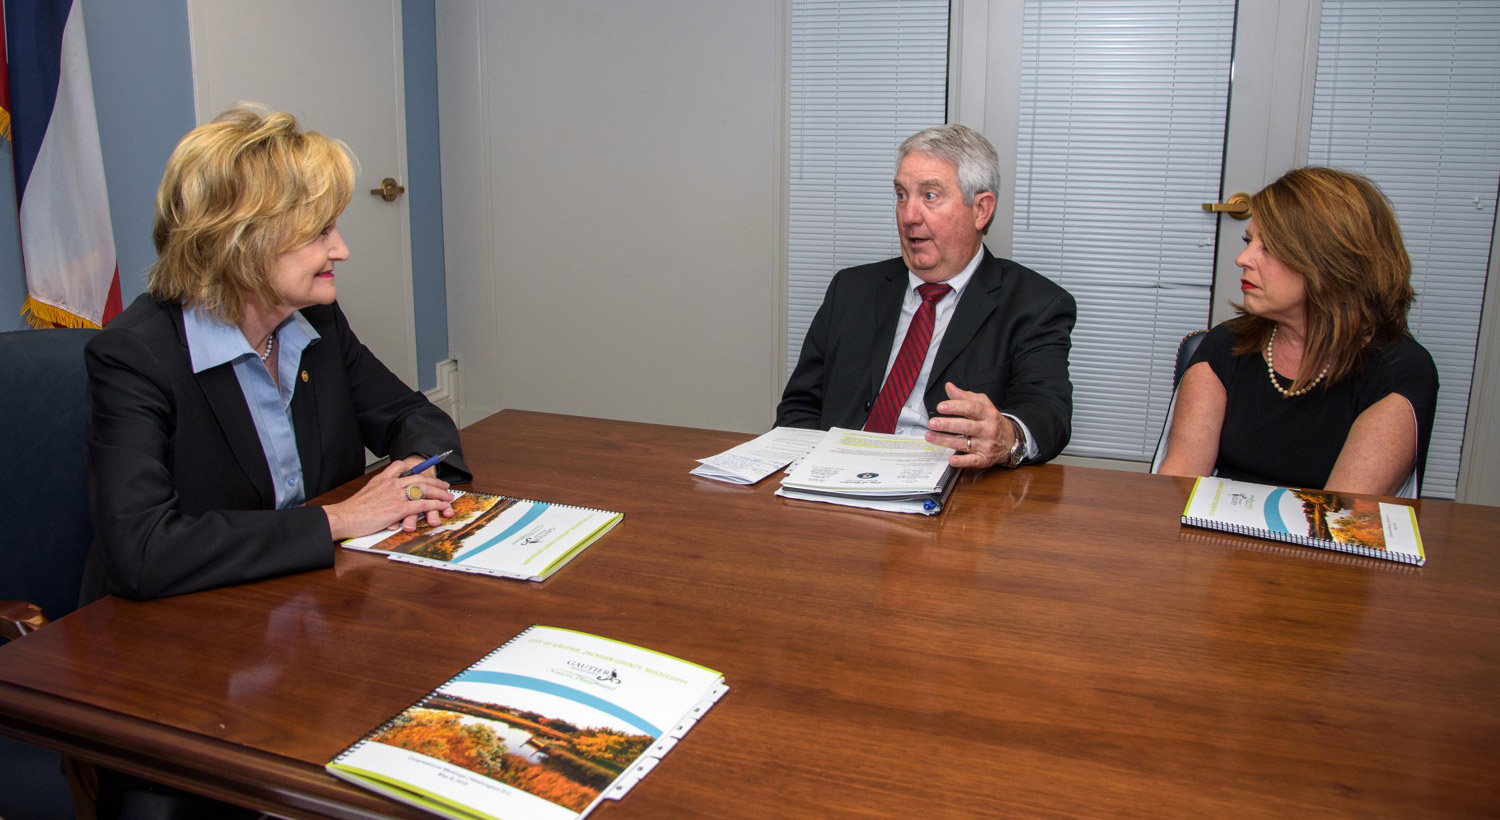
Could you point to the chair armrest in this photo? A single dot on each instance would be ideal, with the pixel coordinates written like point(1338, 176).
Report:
point(17, 618)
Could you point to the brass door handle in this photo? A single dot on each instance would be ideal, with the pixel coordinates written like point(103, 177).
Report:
point(1237, 206)
point(389, 190)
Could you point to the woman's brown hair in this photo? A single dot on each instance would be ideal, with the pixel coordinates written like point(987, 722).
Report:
point(1339, 232)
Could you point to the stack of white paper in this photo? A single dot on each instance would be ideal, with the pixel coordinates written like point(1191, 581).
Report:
point(875, 470)
point(755, 459)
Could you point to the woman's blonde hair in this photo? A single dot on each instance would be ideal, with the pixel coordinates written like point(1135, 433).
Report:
point(237, 193)
point(1339, 232)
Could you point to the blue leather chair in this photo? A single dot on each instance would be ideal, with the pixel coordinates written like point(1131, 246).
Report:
point(43, 412)
point(44, 409)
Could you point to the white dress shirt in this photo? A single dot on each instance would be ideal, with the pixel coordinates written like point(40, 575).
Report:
point(913, 418)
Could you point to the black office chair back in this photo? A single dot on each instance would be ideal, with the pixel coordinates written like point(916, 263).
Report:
point(1185, 350)
point(43, 412)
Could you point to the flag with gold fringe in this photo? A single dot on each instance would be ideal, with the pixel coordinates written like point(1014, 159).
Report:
point(67, 243)
point(4, 80)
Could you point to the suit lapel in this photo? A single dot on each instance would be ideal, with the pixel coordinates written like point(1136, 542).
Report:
point(980, 299)
point(305, 418)
point(221, 388)
point(888, 301)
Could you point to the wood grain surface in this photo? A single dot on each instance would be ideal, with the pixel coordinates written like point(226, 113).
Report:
point(1055, 645)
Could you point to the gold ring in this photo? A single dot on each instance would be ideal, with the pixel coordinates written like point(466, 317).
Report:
point(968, 444)
point(414, 492)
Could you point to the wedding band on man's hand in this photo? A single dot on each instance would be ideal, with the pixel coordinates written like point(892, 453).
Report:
point(414, 492)
point(968, 444)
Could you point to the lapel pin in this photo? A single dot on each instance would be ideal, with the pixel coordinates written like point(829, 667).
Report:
point(304, 377)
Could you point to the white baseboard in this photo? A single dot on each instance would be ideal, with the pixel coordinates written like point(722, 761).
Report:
point(445, 394)
point(1105, 463)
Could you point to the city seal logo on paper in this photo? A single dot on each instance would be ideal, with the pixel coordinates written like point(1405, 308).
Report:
point(537, 537)
point(607, 675)
point(868, 475)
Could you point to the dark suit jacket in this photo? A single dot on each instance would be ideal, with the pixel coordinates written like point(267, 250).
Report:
point(179, 488)
point(1008, 338)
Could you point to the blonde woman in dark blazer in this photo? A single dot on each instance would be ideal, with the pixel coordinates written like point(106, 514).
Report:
point(235, 390)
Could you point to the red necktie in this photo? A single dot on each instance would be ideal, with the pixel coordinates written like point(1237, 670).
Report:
point(898, 383)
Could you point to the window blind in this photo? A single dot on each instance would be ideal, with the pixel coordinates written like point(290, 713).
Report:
point(864, 75)
point(1123, 109)
point(1407, 92)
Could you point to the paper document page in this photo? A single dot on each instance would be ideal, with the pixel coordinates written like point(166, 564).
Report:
point(871, 464)
point(759, 457)
point(927, 505)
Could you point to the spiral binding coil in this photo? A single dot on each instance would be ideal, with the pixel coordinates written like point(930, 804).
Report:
point(1303, 540)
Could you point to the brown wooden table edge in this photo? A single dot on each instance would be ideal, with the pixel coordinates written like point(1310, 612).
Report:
point(187, 761)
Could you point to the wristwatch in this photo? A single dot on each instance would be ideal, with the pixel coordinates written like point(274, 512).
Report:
point(1017, 452)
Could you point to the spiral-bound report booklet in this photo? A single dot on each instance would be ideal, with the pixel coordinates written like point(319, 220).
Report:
point(878, 471)
point(543, 728)
point(1314, 518)
point(496, 535)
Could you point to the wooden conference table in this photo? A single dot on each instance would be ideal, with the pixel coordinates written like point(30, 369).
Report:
point(1054, 645)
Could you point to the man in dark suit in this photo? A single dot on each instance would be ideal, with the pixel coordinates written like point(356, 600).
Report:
point(947, 339)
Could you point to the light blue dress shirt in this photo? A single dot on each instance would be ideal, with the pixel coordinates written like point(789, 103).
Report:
point(212, 343)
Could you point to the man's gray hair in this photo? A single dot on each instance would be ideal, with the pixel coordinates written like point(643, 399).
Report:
point(978, 165)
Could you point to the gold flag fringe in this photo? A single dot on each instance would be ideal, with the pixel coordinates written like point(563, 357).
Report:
point(42, 315)
point(4, 123)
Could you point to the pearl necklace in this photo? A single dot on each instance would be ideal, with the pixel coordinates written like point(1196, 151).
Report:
point(270, 345)
point(1271, 371)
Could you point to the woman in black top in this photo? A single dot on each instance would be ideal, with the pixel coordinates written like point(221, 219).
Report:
point(1317, 383)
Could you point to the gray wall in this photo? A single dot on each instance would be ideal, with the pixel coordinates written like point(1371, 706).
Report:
point(613, 185)
point(143, 95)
point(12, 284)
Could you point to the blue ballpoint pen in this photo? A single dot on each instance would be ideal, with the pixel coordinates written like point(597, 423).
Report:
point(426, 464)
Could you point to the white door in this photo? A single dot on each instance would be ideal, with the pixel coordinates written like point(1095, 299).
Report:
point(1271, 95)
point(336, 65)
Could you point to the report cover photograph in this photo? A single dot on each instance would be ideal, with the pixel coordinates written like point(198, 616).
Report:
point(560, 750)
